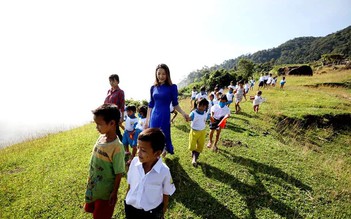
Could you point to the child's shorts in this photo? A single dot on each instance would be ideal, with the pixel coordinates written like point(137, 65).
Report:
point(193, 98)
point(100, 208)
point(126, 140)
point(214, 125)
point(229, 101)
point(197, 140)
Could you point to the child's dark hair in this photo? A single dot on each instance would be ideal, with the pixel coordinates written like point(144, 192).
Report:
point(224, 97)
point(203, 88)
point(143, 110)
point(156, 138)
point(131, 108)
point(203, 102)
point(114, 77)
point(108, 111)
point(259, 92)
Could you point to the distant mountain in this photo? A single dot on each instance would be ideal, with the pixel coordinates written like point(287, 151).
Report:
point(296, 51)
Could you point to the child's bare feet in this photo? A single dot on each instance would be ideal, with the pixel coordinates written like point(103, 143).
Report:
point(215, 148)
point(209, 144)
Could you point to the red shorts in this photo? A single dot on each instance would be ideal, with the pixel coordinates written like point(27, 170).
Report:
point(101, 209)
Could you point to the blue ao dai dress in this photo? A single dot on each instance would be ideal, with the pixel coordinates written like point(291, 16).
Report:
point(160, 99)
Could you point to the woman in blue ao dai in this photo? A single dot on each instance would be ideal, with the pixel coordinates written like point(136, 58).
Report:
point(162, 94)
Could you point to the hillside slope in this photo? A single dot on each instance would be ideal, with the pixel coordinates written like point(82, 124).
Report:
point(291, 160)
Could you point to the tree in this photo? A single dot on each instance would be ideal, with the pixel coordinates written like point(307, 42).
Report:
point(332, 58)
point(245, 68)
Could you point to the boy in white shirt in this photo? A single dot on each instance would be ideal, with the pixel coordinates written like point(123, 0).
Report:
point(197, 135)
point(230, 96)
point(149, 180)
point(200, 95)
point(257, 101)
point(129, 137)
point(231, 85)
point(141, 122)
point(282, 82)
point(219, 112)
point(211, 102)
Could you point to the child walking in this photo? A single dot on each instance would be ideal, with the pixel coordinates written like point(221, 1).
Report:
point(211, 102)
point(149, 180)
point(129, 137)
point(230, 96)
point(202, 94)
point(142, 112)
point(219, 112)
point(239, 94)
point(282, 82)
point(106, 164)
point(197, 135)
point(257, 101)
point(193, 96)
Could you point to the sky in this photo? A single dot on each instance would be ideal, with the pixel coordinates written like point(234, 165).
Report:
point(56, 56)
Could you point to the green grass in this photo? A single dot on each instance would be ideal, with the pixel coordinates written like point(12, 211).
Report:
point(260, 172)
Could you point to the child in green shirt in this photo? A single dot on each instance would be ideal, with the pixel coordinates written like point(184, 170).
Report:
point(106, 164)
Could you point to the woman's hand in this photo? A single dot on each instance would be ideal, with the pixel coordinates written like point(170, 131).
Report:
point(186, 117)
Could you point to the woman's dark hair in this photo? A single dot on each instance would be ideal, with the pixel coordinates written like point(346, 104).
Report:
point(108, 111)
point(156, 138)
point(168, 74)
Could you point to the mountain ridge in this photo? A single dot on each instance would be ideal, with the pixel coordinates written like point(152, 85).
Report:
point(298, 50)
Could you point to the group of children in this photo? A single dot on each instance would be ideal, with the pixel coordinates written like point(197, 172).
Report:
point(214, 108)
point(149, 180)
point(267, 80)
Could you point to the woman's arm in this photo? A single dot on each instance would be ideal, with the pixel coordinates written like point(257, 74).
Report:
point(146, 125)
point(186, 116)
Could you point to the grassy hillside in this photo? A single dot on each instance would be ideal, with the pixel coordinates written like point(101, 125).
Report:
point(291, 160)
